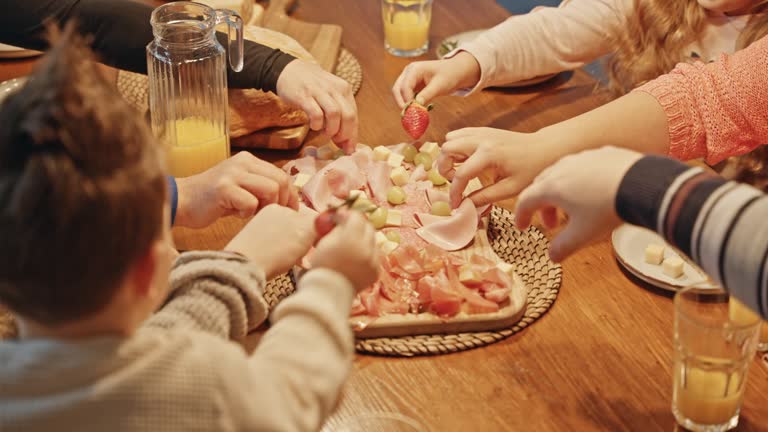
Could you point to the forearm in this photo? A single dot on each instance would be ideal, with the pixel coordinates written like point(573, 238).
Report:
point(307, 353)
point(215, 292)
point(635, 121)
point(546, 41)
point(121, 31)
point(715, 110)
point(718, 224)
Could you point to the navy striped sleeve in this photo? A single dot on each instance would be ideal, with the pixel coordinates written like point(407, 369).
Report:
point(718, 224)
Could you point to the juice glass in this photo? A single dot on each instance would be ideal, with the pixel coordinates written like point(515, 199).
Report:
point(406, 26)
point(711, 359)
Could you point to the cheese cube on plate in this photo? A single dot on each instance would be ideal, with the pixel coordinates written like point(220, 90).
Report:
point(301, 179)
point(472, 186)
point(381, 153)
point(466, 275)
point(394, 218)
point(673, 267)
point(395, 159)
point(387, 247)
point(381, 238)
point(432, 148)
point(399, 176)
point(654, 254)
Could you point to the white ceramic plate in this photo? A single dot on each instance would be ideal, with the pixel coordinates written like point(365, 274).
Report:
point(629, 243)
point(12, 52)
point(449, 43)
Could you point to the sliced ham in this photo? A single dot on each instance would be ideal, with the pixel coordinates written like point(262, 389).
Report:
point(363, 156)
point(434, 195)
point(454, 232)
point(474, 302)
point(332, 182)
point(306, 165)
point(357, 307)
point(418, 174)
point(425, 219)
point(378, 181)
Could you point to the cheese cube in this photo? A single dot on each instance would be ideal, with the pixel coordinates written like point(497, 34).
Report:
point(380, 238)
point(301, 179)
point(381, 153)
point(357, 194)
point(467, 276)
point(394, 218)
point(654, 254)
point(505, 267)
point(673, 267)
point(472, 186)
point(432, 148)
point(399, 176)
point(387, 247)
point(395, 159)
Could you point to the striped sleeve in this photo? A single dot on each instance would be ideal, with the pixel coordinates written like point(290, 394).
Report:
point(718, 224)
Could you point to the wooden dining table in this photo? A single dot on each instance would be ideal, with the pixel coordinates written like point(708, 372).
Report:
point(599, 359)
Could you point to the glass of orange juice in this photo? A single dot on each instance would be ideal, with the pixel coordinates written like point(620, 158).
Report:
point(406, 26)
point(713, 349)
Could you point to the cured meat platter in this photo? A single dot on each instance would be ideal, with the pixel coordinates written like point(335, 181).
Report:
point(438, 272)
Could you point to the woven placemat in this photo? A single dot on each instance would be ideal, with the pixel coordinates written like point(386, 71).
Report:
point(133, 86)
point(525, 250)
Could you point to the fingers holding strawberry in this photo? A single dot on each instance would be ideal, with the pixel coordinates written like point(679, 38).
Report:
point(415, 118)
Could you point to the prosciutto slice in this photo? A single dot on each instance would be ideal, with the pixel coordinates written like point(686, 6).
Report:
point(306, 165)
point(334, 181)
point(378, 180)
point(453, 232)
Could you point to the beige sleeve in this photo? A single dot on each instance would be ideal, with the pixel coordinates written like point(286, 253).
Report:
point(293, 380)
point(216, 292)
point(547, 40)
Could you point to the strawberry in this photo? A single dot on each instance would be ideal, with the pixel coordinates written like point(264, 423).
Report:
point(415, 118)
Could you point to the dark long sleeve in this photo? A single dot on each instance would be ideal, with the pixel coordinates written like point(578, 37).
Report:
point(719, 224)
point(121, 32)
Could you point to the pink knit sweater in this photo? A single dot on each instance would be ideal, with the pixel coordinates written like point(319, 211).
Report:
point(719, 109)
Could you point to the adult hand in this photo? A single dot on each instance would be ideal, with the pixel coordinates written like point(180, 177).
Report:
point(327, 99)
point(240, 185)
point(583, 185)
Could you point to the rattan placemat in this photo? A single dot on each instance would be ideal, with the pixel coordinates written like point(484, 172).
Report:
point(525, 250)
point(133, 86)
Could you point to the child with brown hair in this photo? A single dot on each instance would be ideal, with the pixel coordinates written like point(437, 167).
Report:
point(86, 261)
point(645, 38)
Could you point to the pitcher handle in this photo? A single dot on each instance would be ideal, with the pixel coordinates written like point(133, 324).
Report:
point(235, 48)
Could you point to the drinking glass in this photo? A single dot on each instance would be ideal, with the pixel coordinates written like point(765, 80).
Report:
point(406, 26)
point(711, 359)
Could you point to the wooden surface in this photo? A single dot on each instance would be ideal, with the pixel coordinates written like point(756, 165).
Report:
point(599, 360)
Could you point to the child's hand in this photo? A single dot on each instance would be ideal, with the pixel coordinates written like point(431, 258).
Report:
point(583, 185)
point(510, 160)
point(327, 99)
point(240, 185)
point(275, 239)
point(350, 249)
point(430, 79)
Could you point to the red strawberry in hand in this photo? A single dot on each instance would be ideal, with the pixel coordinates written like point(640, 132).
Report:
point(415, 118)
point(325, 222)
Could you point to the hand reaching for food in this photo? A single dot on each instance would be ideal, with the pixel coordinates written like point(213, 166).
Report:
point(275, 239)
point(430, 79)
point(240, 185)
point(507, 162)
point(350, 249)
point(584, 186)
point(327, 99)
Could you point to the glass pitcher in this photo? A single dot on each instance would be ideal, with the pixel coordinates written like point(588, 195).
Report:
point(188, 83)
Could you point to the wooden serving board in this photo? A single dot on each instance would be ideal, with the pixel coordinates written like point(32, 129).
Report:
point(427, 323)
point(323, 41)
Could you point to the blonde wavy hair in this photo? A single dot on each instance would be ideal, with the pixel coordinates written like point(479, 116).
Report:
point(656, 35)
